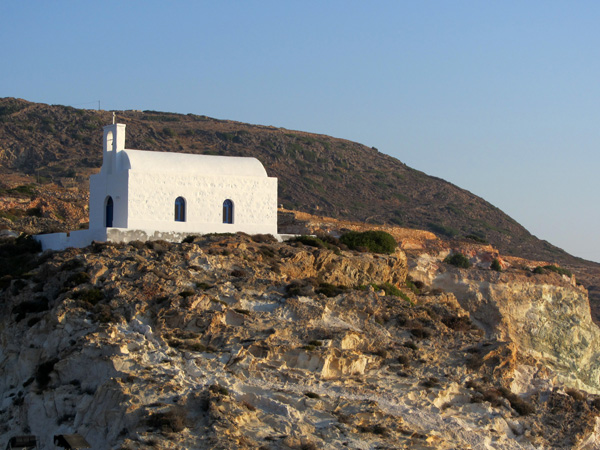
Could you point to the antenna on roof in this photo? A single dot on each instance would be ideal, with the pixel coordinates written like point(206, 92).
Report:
point(113, 117)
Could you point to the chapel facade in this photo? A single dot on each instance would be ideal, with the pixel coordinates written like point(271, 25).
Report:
point(146, 195)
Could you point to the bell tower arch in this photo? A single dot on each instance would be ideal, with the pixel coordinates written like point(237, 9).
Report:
point(114, 141)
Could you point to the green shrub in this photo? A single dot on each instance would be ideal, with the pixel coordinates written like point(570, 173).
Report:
point(382, 353)
point(403, 360)
point(443, 229)
point(405, 297)
point(518, 404)
point(7, 110)
point(496, 265)
point(374, 429)
point(559, 270)
point(576, 394)
point(34, 212)
point(189, 239)
point(71, 264)
point(457, 323)
point(420, 333)
point(458, 260)
point(169, 132)
point(267, 252)
point(476, 238)
point(430, 382)
point(238, 273)
point(78, 278)
point(104, 314)
point(11, 215)
point(411, 345)
point(303, 287)
point(18, 256)
point(218, 389)
point(373, 241)
point(330, 241)
point(187, 293)
point(330, 290)
point(174, 420)
point(311, 241)
point(264, 238)
point(414, 286)
point(552, 268)
point(27, 190)
point(93, 295)
point(229, 137)
point(390, 289)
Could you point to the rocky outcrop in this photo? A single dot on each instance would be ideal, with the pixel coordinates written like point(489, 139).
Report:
point(545, 315)
point(242, 342)
point(340, 270)
point(297, 222)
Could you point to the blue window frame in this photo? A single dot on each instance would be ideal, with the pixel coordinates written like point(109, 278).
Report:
point(108, 212)
point(227, 211)
point(179, 209)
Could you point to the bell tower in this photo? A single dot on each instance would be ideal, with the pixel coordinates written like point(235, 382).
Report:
point(114, 141)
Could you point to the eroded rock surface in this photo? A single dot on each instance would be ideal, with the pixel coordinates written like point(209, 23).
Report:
point(546, 315)
point(241, 342)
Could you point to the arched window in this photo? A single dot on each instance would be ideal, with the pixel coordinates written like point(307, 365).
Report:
point(179, 209)
point(227, 211)
point(108, 212)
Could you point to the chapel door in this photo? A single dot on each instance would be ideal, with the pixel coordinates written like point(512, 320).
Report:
point(109, 212)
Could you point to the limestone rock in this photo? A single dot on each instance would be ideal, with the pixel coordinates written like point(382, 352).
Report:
point(547, 316)
point(232, 342)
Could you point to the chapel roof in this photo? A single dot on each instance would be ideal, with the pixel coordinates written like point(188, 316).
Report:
point(146, 161)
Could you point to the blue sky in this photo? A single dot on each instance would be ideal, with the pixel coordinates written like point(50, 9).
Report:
point(498, 97)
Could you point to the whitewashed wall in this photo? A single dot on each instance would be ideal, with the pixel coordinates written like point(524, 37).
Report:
point(101, 186)
point(77, 239)
point(152, 203)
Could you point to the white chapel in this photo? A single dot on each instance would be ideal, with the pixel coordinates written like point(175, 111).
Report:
point(146, 195)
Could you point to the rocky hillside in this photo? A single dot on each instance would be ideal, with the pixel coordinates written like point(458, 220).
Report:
point(318, 174)
point(47, 153)
point(241, 342)
point(424, 242)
